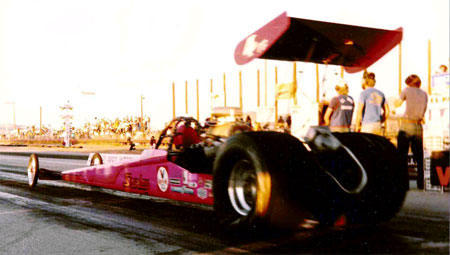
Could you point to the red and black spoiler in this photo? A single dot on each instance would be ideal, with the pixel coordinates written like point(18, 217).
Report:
point(293, 39)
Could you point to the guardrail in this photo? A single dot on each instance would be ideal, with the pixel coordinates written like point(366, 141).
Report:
point(94, 141)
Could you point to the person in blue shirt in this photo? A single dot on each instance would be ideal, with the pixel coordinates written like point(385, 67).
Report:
point(373, 109)
point(340, 111)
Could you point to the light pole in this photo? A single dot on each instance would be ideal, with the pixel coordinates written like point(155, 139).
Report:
point(14, 112)
point(40, 119)
point(142, 113)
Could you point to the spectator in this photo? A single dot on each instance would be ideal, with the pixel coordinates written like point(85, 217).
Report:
point(132, 145)
point(279, 127)
point(340, 111)
point(365, 79)
point(442, 69)
point(372, 108)
point(248, 121)
point(289, 122)
point(411, 131)
point(152, 142)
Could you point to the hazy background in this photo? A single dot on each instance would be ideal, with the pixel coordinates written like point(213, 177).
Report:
point(52, 51)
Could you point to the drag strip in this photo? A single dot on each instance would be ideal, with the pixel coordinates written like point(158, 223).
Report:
point(159, 234)
point(68, 215)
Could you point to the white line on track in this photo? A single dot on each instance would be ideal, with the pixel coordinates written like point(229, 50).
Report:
point(60, 161)
point(16, 211)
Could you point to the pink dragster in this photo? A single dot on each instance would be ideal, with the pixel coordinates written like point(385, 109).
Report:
point(254, 178)
point(155, 172)
point(261, 177)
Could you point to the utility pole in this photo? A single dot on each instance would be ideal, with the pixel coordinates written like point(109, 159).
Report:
point(173, 99)
point(185, 93)
point(317, 84)
point(224, 90)
point(240, 90)
point(295, 82)
point(142, 113)
point(399, 68)
point(276, 97)
point(265, 83)
point(429, 67)
point(40, 119)
point(212, 97)
point(198, 107)
point(258, 88)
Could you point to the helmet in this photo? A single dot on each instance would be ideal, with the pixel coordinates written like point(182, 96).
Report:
point(185, 136)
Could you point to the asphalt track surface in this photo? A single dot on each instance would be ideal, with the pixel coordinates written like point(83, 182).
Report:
point(64, 218)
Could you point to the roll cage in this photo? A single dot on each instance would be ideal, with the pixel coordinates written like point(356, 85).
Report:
point(170, 132)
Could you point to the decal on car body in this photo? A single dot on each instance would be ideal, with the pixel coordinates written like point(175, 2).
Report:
point(135, 183)
point(163, 179)
point(182, 190)
point(175, 181)
point(208, 184)
point(202, 193)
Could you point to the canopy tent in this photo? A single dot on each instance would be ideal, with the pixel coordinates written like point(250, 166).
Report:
point(293, 39)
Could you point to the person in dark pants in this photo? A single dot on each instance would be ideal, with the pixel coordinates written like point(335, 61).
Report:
point(411, 131)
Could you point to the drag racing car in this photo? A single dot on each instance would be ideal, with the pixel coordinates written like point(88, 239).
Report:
point(258, 178)
point(254, 178)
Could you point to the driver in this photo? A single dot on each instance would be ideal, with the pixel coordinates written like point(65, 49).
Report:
point(186, 137)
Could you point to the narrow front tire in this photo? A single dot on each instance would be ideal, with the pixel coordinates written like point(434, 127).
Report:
point(33, 170)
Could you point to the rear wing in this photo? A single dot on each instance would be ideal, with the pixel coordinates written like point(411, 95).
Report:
point(286, 38)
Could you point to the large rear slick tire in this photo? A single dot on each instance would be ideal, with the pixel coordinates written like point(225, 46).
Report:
point(387, 178)
point(251, 181)
point(33, 170)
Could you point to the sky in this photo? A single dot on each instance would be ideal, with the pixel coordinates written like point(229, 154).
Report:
point(103, 55)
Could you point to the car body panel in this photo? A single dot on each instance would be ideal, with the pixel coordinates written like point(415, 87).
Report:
point(109, 158)
point(147, 175)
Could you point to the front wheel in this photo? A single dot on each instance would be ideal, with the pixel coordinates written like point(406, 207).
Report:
point(96, 159)
point(33, 170)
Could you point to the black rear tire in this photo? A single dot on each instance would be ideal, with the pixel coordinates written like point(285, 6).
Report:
point(387, 178)
point(253, 185)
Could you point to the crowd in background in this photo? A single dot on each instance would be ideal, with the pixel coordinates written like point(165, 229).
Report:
point(99, 128)
point(128, 126)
